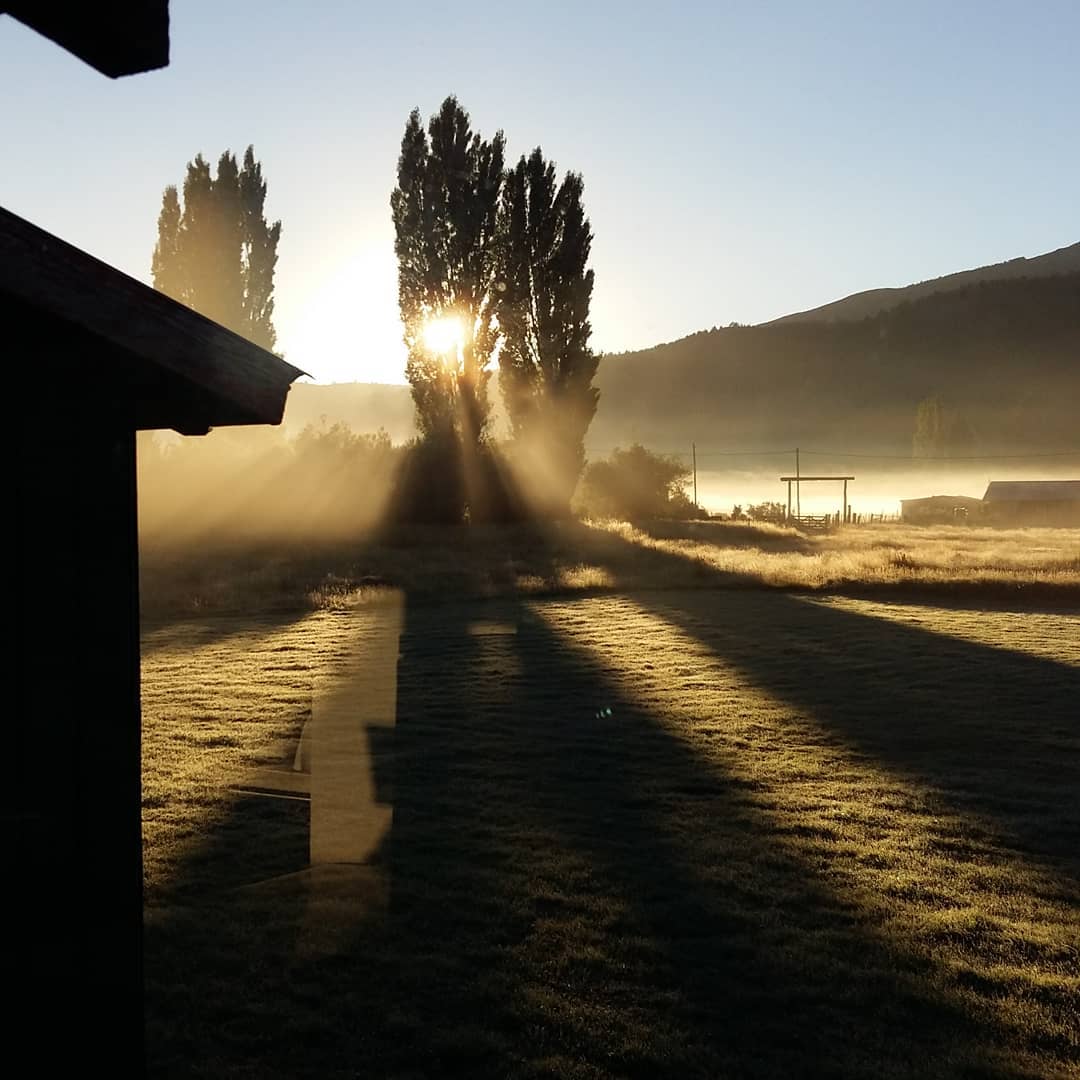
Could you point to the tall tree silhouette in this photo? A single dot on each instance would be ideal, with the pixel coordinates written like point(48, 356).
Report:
point(940, 431)
point(215, 251)
point(546, 366)
point(445, 211)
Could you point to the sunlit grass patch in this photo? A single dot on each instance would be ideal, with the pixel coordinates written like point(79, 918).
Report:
point(1055, 636)
point(887, 555)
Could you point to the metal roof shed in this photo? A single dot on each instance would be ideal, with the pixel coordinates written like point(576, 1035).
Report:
point(1040, 491)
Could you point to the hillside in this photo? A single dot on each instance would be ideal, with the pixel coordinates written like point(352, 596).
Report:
point(362, 406)
point(861, 305)
point(1005, 354)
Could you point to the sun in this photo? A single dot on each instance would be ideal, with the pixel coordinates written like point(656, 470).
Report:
point(444, 334)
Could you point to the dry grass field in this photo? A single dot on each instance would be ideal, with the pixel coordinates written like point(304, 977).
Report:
point(642, 825)
point(1025, 565)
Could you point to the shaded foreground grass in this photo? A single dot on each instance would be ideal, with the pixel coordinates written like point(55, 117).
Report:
point(674, 833)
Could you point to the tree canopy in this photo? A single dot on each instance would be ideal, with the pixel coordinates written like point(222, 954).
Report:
point(445, 212)
point(215, 251)
point(546, 366)
point(500, 255)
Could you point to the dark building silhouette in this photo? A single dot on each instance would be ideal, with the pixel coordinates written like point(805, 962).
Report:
point(1033, 502)
point(93, 356)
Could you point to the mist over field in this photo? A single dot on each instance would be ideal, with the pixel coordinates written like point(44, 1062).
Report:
point(875, 490)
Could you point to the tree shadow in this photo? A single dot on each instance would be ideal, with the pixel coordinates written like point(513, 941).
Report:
point(572, 891)
point(994, 731)
point(192, 631)
point(1033, 597)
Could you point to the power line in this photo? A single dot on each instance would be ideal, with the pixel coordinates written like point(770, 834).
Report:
point(865, 457)
point(958, 457)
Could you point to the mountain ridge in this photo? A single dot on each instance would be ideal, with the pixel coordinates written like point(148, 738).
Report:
point(869, 302)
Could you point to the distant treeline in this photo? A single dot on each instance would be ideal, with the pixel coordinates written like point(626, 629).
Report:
point(1004, 355)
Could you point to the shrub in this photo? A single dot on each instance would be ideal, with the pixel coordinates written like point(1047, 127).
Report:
point(767, 511)
point(635, 484)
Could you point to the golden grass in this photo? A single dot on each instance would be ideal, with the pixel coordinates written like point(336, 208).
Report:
point(870, 555)
point(996, 932)
point(571, 557)
point(684, 833)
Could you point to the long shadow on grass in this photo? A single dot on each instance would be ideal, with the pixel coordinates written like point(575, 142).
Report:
point(995, 731)
point(573, 892)
point(576, 893)
point(1034, 597)
point(193, 632)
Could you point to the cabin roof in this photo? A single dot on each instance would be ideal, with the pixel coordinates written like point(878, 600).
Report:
point(185, 371)
point(1033, 491)
point(117, 37)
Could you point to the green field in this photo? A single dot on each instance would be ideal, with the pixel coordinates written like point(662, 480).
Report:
point(636, 831)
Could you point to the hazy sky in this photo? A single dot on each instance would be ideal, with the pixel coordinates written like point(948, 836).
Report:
point(741, 160)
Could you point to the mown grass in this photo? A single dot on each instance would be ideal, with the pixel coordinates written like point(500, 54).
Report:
point(670, 832)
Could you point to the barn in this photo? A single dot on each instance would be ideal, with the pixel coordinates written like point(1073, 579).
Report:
point(1033, 502)
point(93, 357)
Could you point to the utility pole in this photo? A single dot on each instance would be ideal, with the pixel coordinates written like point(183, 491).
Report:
point(798, 499)
point(693, 451)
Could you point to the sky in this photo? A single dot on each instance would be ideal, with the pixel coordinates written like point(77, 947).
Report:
point(741, 160)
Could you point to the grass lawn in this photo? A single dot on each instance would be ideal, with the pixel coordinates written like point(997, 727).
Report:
point(643, 824)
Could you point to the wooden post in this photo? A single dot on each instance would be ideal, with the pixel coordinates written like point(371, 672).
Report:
point(789, 500)
point(845, 503)
point(798, 486)
point(693, 450)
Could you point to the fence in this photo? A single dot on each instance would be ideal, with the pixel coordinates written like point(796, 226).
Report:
point(824, 522)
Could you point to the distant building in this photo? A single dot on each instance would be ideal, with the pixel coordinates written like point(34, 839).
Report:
point(941, 509)
point(1033, 502)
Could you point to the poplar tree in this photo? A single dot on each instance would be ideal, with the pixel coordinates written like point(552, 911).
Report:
point(215, 251)
point(546, 365)
point(445, 212)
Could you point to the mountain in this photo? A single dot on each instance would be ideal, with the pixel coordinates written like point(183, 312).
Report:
point(862, 305)
point(1003, 355)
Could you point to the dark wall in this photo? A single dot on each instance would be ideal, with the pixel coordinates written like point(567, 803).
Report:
point(1061, 513)
point(75, 895)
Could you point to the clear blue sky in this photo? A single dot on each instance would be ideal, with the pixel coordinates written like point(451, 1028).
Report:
point(741, 160)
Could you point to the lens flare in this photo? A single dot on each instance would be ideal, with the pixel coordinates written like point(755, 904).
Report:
point(444, 334)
